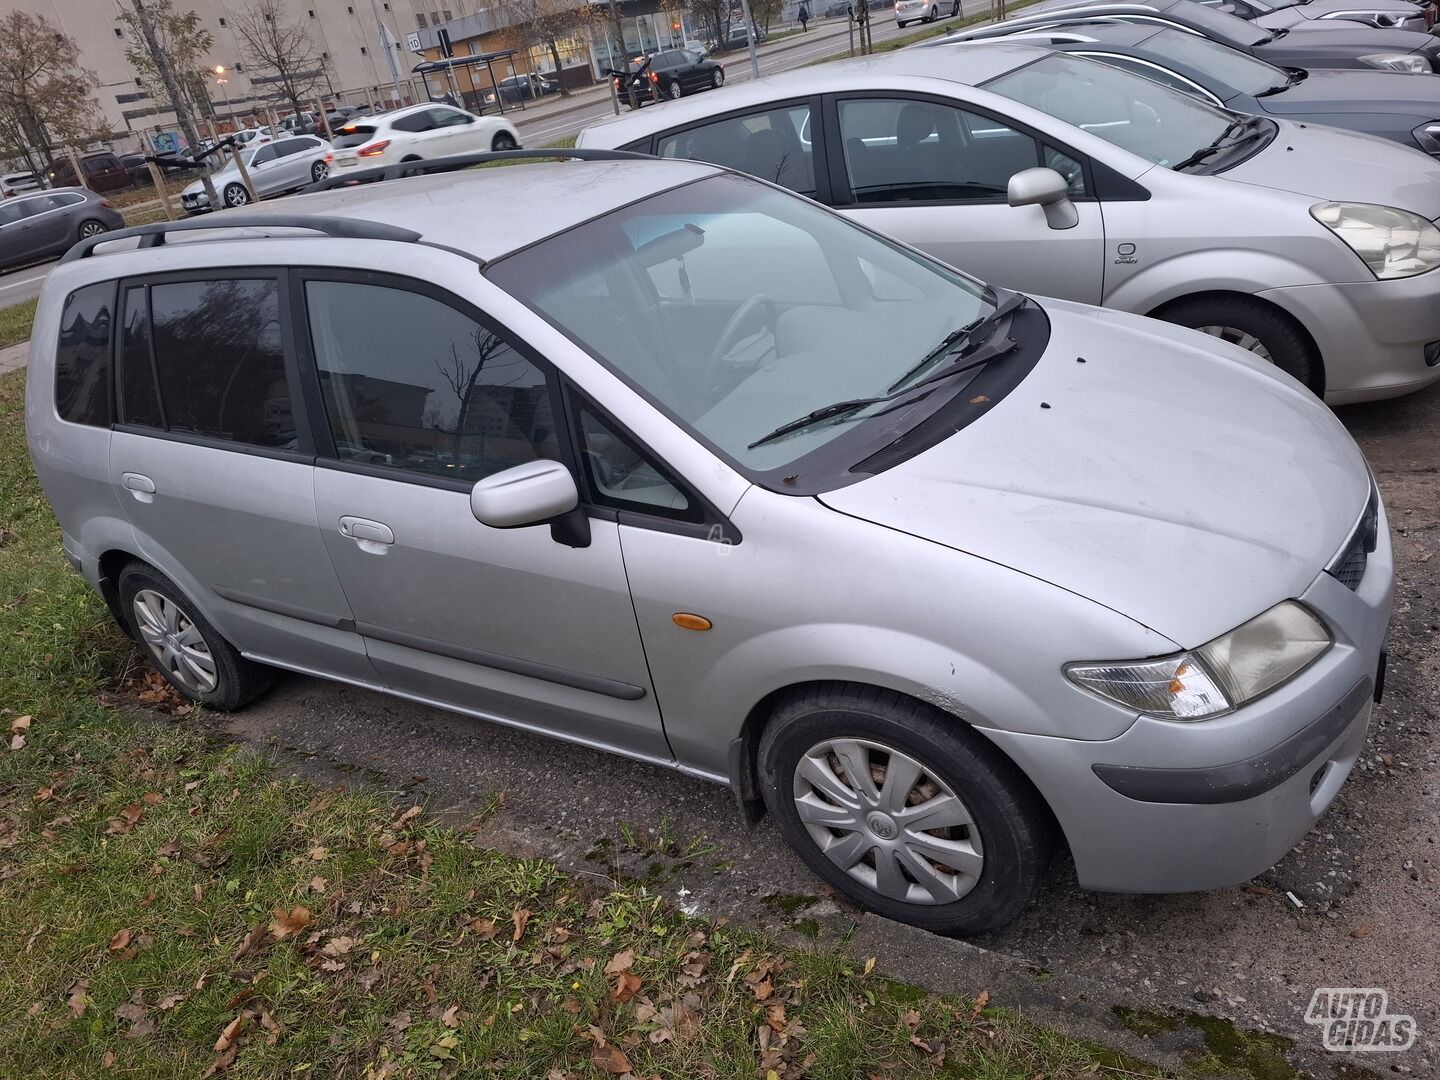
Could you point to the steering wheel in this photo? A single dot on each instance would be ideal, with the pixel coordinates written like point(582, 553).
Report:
point(756, 313)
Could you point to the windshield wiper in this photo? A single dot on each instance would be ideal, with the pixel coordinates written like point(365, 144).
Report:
point(1232, 136)
point(964, 339)
point(1292, 76)
point(977, 355)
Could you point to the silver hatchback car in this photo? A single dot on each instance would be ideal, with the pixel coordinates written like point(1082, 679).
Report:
point(662, 459)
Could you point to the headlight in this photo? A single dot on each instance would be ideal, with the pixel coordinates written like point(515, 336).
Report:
point(1237, 667)
point(1428, 136)
point(1394, 243)
point(1410, 63)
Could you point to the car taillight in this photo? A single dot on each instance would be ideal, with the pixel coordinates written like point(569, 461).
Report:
point(329, 159)
point(375, 149)
point(655, 78)
point(107, 204)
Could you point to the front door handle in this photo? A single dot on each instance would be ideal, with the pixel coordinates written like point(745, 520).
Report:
point(139, 485)
point(371, 536)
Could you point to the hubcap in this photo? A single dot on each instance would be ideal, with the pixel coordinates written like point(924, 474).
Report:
point(175, 642)
point(1248, 342)
point(91, 229)
point(888, 822)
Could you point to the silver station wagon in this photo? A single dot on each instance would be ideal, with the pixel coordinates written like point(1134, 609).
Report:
point(668, 461)
point(1312, 247)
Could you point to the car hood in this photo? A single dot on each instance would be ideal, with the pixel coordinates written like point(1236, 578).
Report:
point(1318, 34)
point(1318, 9)
point(1344, 166)
point(1169, 477)
point(1358, 92)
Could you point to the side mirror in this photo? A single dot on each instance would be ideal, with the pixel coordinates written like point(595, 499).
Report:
point(1048, 190)
point(532, 494)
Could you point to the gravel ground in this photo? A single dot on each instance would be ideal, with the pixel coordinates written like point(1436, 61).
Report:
point(1368, 876)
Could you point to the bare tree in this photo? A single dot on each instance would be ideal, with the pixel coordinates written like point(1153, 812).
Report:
point(45, 95)
point(282, 49)
point(543, 24)
point(174, 94)
point(184, 41)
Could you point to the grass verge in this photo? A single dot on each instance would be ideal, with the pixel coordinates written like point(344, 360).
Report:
point(176, 907)
point(16, 321)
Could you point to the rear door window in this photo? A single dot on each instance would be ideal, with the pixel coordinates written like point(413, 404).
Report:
point(82, 356)
point(217, 357)
point(773, 144)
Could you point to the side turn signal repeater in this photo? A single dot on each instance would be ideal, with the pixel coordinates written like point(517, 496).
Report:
point(687, 621)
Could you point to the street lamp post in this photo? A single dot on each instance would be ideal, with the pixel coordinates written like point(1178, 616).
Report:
point(223, 83)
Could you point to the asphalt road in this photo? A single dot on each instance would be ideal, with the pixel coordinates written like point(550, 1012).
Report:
point(22, 284)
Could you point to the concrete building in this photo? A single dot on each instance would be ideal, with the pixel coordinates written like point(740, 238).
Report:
point(345, 35)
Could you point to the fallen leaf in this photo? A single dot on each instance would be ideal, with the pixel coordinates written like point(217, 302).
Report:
point(763, 989)
point(119, 941)
point(981, 1000)
point(979, 399)
point(152, 798)
point(451, 1017)
point(484, 927)
point(191, 786)
point(519, 917)
point(108, 1059)
point(339, 946)
point(19, 724)
point(285, 925)
point(77, 997)
point(318, 884)
point(405, 818)
point(319, 854)
point(611, 1059)
point(912, 1019)
point(221, 1063)
point(17, 742)
point(627, 985)
point(621, 961)
point(252, 941)
point(230, 1034)
point(869, 965)
point(169, 1001)
point(169, 849)
point(1259, 890)
point(126, 820)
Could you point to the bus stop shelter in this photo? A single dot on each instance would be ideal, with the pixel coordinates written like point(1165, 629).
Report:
point(470, 65)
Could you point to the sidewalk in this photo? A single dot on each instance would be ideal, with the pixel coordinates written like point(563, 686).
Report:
point(13, 357)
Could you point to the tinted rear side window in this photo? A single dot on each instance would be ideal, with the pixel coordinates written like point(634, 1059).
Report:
point(82, 356)
point(139, 400)
point(220, 359)
point(354, 136)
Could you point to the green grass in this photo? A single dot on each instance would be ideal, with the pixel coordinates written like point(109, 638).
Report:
point(15, 322)
point(139, 855)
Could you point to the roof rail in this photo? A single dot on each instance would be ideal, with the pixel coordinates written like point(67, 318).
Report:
point(154, 234)
point(426, 166)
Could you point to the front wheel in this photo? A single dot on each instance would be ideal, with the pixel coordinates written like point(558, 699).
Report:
point(183, 646)
point(717, 80)
point(955, 9)
point(503, 141)
point(900, 24)
point(897, 806)
point(1257, 328)
point(236, 195)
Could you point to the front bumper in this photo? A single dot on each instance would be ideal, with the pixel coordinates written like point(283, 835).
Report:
point(1372, 335)
point(1243, 788)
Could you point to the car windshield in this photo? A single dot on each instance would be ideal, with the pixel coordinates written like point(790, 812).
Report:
point(1135, 114)
point(1220, 25)
point(739, 309)
point(1238, 70)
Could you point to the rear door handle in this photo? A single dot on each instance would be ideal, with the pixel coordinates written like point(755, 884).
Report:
point(371, 536)
point(139, 485)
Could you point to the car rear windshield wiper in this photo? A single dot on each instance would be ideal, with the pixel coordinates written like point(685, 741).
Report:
point(1232, 136)
point(969, 358)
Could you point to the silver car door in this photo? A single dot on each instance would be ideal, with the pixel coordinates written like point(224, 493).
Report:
point(214, 471)
point(422, 399)
point(936, 176)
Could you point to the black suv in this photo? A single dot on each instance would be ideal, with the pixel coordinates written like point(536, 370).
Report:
point(673, 73)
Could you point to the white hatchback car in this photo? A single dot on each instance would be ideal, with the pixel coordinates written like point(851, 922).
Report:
point(415, 134)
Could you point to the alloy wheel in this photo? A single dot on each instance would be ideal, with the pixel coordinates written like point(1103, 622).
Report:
point(236, 195)
point(174, 641)
point(319, 171)
point(886, 820)
point(718, 79)
point(675, 91)
point(1249, 342)
point(91, 229)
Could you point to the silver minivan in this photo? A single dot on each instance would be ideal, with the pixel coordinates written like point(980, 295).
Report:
point(662, 459)
point(1312, 247)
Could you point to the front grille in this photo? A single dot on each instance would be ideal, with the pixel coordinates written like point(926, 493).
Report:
point(1348, 567)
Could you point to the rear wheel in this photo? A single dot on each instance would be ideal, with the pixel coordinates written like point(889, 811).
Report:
point(503, 141)
point(933, 14)
point(183, 646)
point(1255, 327)
point(236, 195)
point(897, 806)
point(91, 229)
point(955, 9)
point(318, 171)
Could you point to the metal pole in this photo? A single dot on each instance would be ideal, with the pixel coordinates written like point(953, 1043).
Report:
point(389, 53)
point(750, 36)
